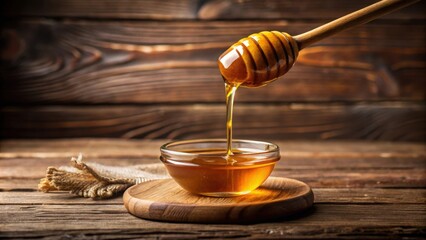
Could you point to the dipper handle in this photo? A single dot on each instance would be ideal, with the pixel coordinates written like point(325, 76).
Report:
point(356, 18)
point(263, 57)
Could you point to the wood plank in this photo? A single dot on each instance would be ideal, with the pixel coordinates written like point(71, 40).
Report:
point(242, 232)
point(10, 166)
point(145, 62)
point(125, 9)
point(383, 218)
point(15, 167)
point(106, 148)
point(346, 212)
point(321, 173)
point(191, 9)
point(357, 178)
point(18, 185)
point(276, 9)
point(366, 195)
point(321, 164)
point(136, 148)
point(381, 121)
point(317, 179)
point(322, 195)
point(54, 198)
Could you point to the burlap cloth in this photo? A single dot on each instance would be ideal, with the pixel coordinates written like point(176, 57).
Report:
point(97, 181)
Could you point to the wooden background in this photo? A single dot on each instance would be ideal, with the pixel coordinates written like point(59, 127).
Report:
point(140, 69)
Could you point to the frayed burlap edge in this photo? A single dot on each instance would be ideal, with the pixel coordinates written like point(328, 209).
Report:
point(96, 181)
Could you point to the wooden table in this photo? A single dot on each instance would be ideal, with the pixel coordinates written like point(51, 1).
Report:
point(362, 189)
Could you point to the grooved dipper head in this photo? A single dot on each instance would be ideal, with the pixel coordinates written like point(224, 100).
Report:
point(258, 59)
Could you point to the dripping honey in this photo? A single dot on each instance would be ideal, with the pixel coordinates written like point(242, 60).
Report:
point(227, 171)
point(219, 174)
point(230, 91)
point(223, 171)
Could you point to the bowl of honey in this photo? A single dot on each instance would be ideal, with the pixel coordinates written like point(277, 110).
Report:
point(205, 167)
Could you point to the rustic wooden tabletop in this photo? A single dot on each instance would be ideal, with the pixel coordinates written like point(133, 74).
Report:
point(362, 190)
point(138, 69)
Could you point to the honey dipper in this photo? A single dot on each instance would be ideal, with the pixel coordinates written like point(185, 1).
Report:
point(263, 57)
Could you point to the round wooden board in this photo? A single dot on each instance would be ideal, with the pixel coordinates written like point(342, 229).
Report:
point(165, 200)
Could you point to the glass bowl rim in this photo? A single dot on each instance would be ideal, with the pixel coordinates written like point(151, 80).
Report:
point(164, 148)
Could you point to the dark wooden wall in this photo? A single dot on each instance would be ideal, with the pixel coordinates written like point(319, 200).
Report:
point(147, 69)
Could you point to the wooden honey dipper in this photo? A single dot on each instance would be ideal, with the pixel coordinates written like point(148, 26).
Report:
point(263, 57)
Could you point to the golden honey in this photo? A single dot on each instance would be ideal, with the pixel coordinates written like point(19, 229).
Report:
point(230, 91)
point(214, 173)
point(225, 168)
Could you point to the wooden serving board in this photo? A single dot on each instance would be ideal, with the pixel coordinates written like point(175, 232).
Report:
point(165, 200)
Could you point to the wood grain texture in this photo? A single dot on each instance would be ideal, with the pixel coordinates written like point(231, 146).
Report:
point(13, 167)
point(341, 211)
point(107, 148)
point(326, 178)
point(322, 196)
point(165, 200)
point(276, 9)
point(398, 122)
point(326, 221)
point(127, 9)
point(80, 62)
point(320, 164)
point(140, 78)
point(287, 232)
point(193, 9)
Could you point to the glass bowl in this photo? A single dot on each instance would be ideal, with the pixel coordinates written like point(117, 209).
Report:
point(202, 166)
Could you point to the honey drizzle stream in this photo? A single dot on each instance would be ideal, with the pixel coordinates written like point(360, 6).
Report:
point(230, 95)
